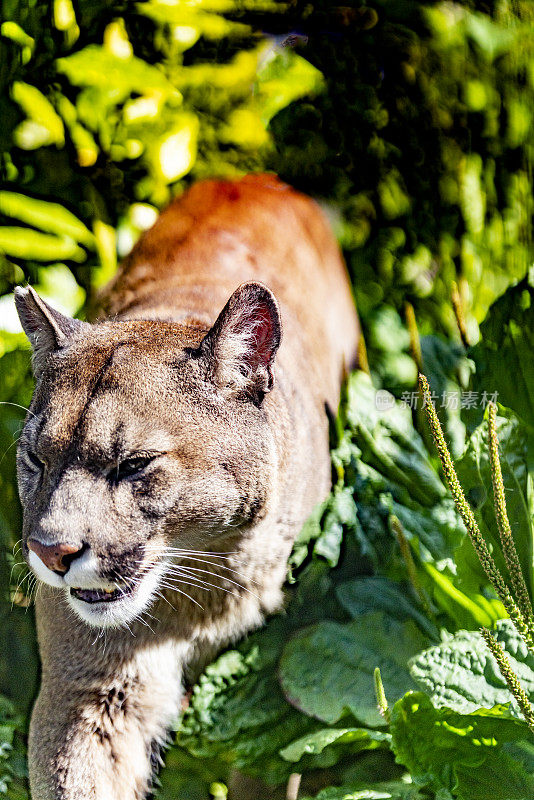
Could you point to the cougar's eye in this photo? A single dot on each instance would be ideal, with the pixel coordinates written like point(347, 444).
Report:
point(34, 461)
point(129, 466)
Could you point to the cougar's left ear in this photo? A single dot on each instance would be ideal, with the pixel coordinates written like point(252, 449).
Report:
point(46, 328)
point(241, 346)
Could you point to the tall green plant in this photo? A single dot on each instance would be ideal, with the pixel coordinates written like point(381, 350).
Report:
point(514, 597)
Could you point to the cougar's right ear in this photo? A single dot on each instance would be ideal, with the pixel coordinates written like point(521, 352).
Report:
point(46, 328)
point(241, 346)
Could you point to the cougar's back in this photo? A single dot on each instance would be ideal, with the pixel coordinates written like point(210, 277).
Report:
point(222, 233)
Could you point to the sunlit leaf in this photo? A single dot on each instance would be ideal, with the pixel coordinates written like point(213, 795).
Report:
point(50, 217)
point(44, 125)
point(27, 243)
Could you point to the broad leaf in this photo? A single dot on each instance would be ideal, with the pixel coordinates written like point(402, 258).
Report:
point(462, 674)
point(459, 755)
point(503, 357)
point(352, 740)
point(390, 790)
point(326, 670)
point(372, 594)
point(383, 429)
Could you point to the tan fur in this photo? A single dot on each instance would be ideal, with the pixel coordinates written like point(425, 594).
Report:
point(240, 462)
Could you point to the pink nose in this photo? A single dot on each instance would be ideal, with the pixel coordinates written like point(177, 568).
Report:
point(57, 557)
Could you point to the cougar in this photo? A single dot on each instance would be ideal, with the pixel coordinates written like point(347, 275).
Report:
point(171, 453)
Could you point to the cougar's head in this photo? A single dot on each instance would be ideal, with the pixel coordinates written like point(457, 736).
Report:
point(143, 439)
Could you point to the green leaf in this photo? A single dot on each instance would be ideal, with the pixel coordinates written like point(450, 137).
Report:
point(43, 126)
point(341, 511)
point(326, 670)
point(381, 594)
point(282, 78)
point(30, 244)
point(469, 610)
point(96, 66)
point(316, 742)
point(462, 674)
point(503, 357)
point(492, 39)
point(383, 429)
point(389, 790)
point(459, 755)
point(438, 531)
point(50, 217)
point(238, 714)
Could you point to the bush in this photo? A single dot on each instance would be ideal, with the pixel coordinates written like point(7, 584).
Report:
point(412, 123)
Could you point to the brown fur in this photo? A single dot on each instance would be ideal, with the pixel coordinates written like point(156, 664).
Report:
point(238, 425)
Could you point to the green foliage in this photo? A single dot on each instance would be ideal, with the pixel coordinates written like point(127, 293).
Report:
point(12, 766)
point(459, 755)
point(361, 595)
point(116, 105)
point(260, 704)
point(503, 356)
point(394, 790)
point(424, 137)
point(326, 670)
point(413, 122)
point(461, 674)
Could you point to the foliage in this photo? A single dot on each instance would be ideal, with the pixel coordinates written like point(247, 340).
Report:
point(460, 673)
point(423, 136)
point(319, 658)
point(503, 355)
point(12, 766)
point(459, 755)
point(412, 122)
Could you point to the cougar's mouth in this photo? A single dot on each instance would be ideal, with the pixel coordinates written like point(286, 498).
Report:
point(101, 595)
point(113, 607)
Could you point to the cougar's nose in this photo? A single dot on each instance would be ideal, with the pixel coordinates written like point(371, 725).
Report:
point(57, 557)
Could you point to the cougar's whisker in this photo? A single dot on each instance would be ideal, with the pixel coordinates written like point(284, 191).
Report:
point(222, 577)
point(200, 581)
point(211, 564)
point(17, 405)
point(200, 584)
point(176, 573)
point(15, 565)
point(139, 618)
point(170, 583)
point(18, 587)
point(4, 454)
point(175, 589)
point(169, 549)
point(17, 546)
point(157, 593)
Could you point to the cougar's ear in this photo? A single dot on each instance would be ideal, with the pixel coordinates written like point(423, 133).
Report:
point(46, 328)
point(241, 346)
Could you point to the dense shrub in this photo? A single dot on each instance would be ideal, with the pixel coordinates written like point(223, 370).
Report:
point(412, 123)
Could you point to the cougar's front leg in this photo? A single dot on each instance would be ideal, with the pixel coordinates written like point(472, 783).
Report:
point(101, 715)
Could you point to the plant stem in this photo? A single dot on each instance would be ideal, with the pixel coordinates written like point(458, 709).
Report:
point(363, 362)
point(511, 557)
point(464, 509)
point(459, 314)
point(415, 342)
point(510, 677)
point(293, 786)
point(406, 553)
point(381, 696)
